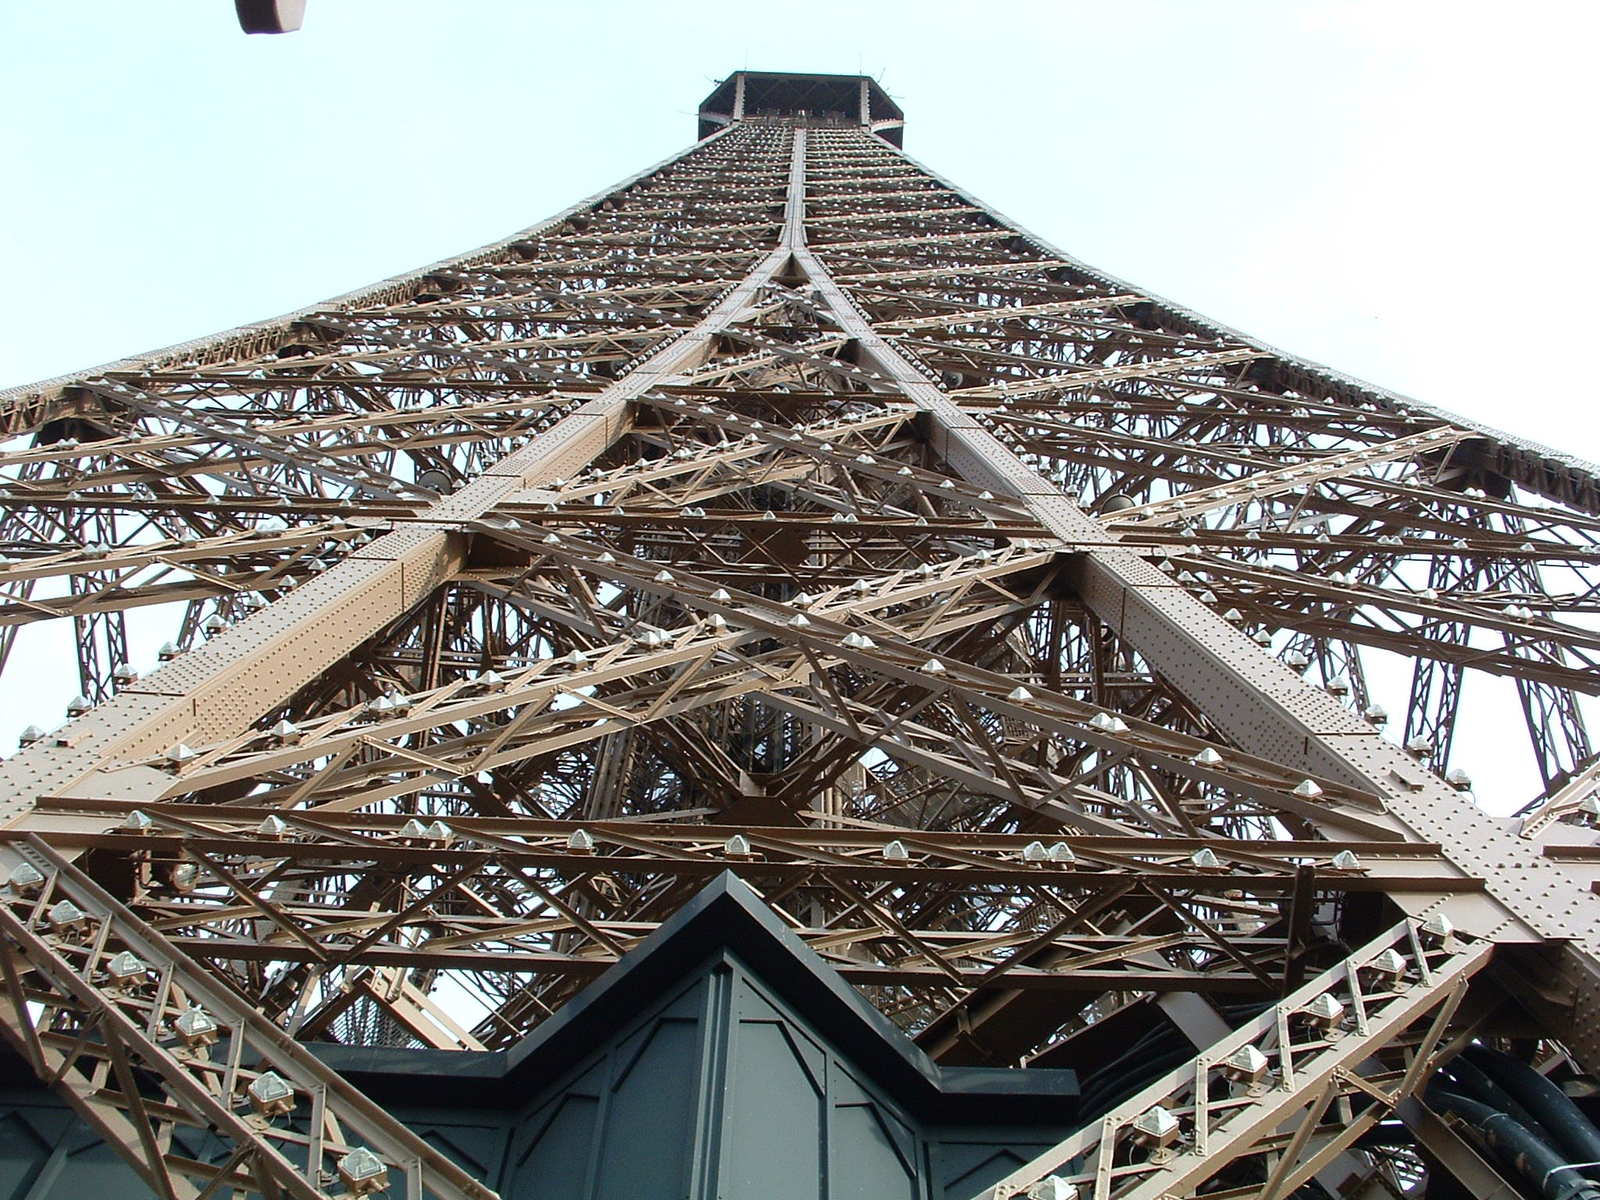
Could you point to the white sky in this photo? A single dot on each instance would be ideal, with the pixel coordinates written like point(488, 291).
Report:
point(1401, 189)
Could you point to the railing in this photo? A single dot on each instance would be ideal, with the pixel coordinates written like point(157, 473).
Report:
point(1357, 1031)
point(202, 1094)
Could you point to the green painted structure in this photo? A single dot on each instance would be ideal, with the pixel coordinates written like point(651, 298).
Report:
point(721, 1060)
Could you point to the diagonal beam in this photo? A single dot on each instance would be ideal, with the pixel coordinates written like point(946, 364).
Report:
point(1309, 1064)
point(1254, 699)
point(218, 689)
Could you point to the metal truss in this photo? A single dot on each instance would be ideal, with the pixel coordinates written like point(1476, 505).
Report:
point(1275, 1101)
point(172, 1067)
point(1024, 639)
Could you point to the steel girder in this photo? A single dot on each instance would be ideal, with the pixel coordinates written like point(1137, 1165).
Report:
point(783, 510)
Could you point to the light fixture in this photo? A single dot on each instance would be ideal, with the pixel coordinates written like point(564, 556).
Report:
point(196, 1028)
point(270, 1095)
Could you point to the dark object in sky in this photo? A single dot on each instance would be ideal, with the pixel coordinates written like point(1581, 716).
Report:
point(270, 16)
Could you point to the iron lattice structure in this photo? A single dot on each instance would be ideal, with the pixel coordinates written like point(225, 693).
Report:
point(784, 510)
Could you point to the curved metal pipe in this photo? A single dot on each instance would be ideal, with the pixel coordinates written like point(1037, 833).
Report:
point(1520, 1148)
point(1467, 1079)
point(1563, 1121)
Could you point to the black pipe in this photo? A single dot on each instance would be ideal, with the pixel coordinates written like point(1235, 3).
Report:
point(1563, 1120)
point(1147, 1062)
point(1100, 1095)
point(1520, 1148)
point(1466, 1079)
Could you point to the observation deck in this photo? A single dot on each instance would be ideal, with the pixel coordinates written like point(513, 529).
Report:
point(857, 100)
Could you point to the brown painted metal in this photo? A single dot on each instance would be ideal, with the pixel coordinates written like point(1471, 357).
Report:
point(786, 511)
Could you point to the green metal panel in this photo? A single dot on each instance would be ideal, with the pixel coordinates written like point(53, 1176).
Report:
point(645, 1143)
point(867, 1161)
point(558, 1159)
point(961, 1166)
point(721, 1061)
point(776, 1094)
point(46, 1153)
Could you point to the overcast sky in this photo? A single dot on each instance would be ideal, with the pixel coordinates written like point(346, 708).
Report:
point(1402, 189)
point(1399, 188)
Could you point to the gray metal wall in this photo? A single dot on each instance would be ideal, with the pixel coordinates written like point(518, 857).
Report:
point(717, 1090)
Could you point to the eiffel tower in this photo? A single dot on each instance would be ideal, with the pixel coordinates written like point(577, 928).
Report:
point(777, 682)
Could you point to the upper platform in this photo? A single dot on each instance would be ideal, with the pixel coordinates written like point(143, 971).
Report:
point(818, 99)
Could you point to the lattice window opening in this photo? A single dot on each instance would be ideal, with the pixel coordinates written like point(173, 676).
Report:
point(202, 893)
point(360, 716)
point(1484, 616)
